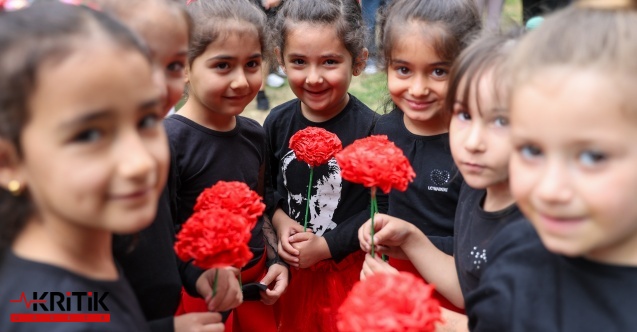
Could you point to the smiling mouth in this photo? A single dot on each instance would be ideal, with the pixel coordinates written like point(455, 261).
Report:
point(316, 93)
point(419, 105)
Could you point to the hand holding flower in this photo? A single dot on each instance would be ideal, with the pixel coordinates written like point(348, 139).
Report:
point(375, 265)
point(286, 227)
point(228, 294)
point(390, 235)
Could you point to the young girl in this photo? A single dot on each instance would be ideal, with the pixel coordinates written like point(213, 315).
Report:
point(574, 128)
point(149, 262)
point(212, 142)
point(480, 147)
point(417, 56)
point(320, 45)
point(83, 155)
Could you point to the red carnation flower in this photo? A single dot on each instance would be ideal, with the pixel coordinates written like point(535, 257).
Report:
point(315, 146)
point(213, 238)
point(375, 161)
point(235, 197)
point(389, 303)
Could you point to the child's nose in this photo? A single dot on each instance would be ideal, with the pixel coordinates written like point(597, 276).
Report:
point(314, 76)
point(553, 184)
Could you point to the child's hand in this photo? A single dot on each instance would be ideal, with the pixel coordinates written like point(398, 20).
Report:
point(374, 265)
point(390, 234)
point(279, 274)
point(286, 227)
point(312, 248)
point(198, 321)
point(229, 294)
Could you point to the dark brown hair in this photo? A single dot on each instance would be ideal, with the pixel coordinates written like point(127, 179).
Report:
point(454, 22)
point(345, 15)
point(210, 18)
point(43, 34)
point(486, 54)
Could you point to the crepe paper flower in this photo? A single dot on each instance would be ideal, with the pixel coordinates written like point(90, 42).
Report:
point(314, 146)
point(214, 238)
point(389, 303)
point(233, 196)
point(375, 162)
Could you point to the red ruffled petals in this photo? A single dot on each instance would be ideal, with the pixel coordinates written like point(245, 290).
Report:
point(233, 196)
point(389, 303)
point(375, 161)
point(315, 146)
point(213, 238)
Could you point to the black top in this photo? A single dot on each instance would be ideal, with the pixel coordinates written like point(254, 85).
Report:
point(527, 288)
point(336, 202)
point(205, 156)
point(430, 201)
point(474, 232)
point(20, 278)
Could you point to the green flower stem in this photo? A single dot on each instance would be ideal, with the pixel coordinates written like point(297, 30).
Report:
point(307, 203)
point(374, 209)
point(214, 283)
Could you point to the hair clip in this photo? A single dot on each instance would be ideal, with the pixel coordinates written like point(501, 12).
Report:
point(189, 2)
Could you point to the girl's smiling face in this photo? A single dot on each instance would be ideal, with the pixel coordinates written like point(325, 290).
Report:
point(319, 69)
point(94, 152)
point(574, 161)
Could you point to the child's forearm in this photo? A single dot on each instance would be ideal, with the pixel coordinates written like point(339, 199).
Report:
point(435, 266)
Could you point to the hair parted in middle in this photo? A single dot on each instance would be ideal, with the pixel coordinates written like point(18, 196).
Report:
point(452, 24)
point(345, 15)
point(210, 21)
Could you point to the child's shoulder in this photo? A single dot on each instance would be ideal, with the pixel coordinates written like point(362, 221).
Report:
point(281, 112)
point(357, 107)
point(250, 126)
point(389, 122)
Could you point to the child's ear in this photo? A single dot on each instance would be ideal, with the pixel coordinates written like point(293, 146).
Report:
point(187, 73)
point(279, 58)
point(10, 173)
point(360, 62)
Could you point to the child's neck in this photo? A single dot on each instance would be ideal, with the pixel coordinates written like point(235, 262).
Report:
point(324, 115)
point(73, 247)
point(208, 118)
point(434, 126)
point(498, 197)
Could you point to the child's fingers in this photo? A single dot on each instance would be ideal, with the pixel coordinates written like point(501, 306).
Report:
point(287, 257)
point(300, 237)
point(364, 236)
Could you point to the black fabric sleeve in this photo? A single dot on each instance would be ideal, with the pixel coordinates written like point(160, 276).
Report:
point(162, 325)
point(189, 275)
point(343, 240)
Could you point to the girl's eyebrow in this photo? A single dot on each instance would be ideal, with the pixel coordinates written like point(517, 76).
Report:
point(435, 64)
point(230, 57)
point(324, 56)
point(106, 114)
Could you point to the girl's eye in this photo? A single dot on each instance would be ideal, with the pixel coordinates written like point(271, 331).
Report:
point(501, 121)
point(403, 70)
point(222, 65)
point(176, 66)
point(252, 64)
point(591, 158)
point(88, 136)
point(149, 121)
point(330, 62)
point(298, 62)
point(529, 152)
point(439, 72)
point(463, 116)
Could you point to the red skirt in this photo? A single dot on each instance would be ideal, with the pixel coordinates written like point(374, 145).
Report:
point(314, 294)
point(407, 266)
point(249, 316)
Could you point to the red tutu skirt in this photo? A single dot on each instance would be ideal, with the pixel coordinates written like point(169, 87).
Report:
point(314, 295)
point(407, 266)
point(249, 316)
